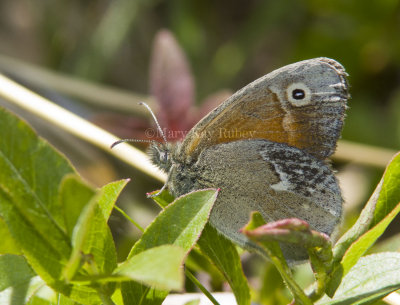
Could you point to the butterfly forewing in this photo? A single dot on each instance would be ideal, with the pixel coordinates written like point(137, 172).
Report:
point(302, 105)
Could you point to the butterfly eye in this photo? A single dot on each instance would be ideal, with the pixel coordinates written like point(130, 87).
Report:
point(298, 94)
point(164, 156)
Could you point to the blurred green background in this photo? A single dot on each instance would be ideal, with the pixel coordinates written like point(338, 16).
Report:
point(228, 44)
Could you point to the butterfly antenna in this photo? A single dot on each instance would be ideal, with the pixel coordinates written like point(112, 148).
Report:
point(155, 120)
point(131, 140)
point(144, 141)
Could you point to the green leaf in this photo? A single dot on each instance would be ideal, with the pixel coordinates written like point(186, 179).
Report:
point(14, 271)
point(73, 195)
point(385, 196)
point(159, 267)
point(42, 258)
point(389, 196)
point(180, 224)
point(30, 173)
point(33, 292)
point(41, 255)
point(46, 262)
point(7, 244)
point(110, 193)
point(387, 192)
point(27, 290)
point(117, 297)
point(358, 248)
point(137, 293)
point(23, 286)
point(63, 300)
point(39, 301)
point(92, 236)
point(224, 255)
point(163, 199)
point(79, 238)
point(372, 278)
point(391, 244)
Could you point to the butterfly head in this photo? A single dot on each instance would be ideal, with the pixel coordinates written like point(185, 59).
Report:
point(161, 155)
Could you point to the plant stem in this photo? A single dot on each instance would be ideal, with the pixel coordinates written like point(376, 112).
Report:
point(297, 292)
point(129, 218)
point(68, 121)
point(275, 254)
point(201, 287)
point(106, 299)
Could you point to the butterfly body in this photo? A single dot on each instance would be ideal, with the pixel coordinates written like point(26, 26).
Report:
point(266, 148)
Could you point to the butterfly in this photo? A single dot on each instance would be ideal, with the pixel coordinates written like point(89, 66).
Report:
point(266, 148)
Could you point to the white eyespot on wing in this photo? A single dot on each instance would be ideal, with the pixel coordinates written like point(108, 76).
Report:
point(298, 94)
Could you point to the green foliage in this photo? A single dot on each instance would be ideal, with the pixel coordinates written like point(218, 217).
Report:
point(7, 245)
point(222, 253)
point(226, 258)
point(149, 267)
point(345, 264)
point(358, 239)
point(60, 224)
point(179, 224)
point(49, 215)
point(370, 279)
point(58, 244)
point(228, 46)
point(14, 271)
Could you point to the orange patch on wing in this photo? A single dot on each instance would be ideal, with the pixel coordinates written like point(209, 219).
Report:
point(262, 118)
